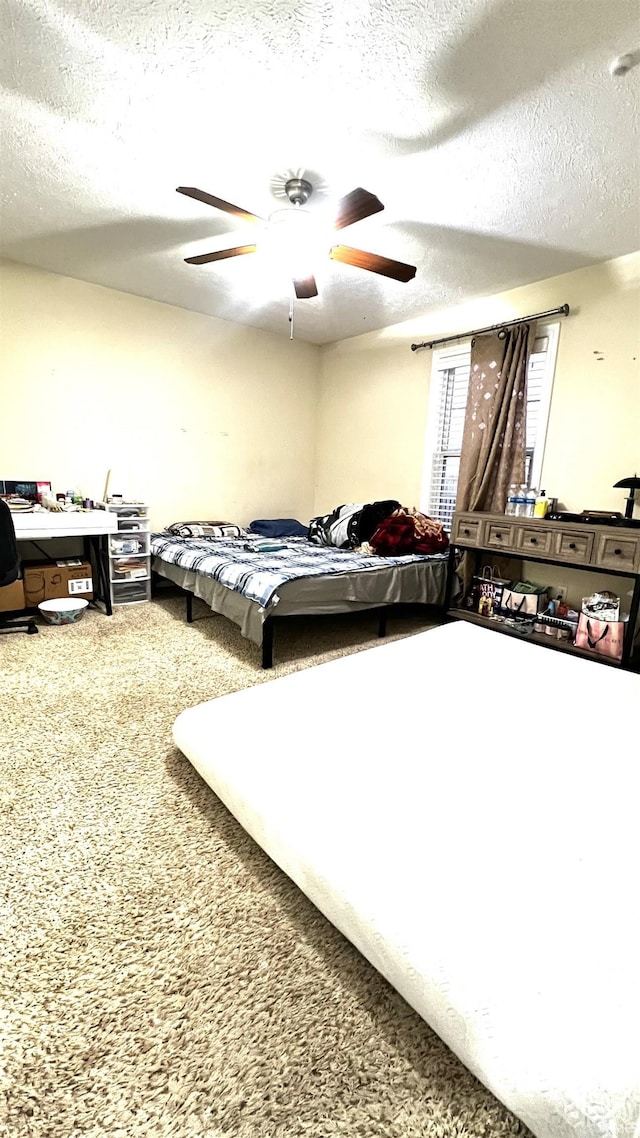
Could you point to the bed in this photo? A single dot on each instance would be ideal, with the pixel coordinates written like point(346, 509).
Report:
point(253, 588)
point(477, 842)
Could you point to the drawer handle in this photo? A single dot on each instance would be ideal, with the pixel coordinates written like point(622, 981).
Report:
point(466, 532)
point(498, 537)
point(572, 545)
point(533, 540)
point(617, 552)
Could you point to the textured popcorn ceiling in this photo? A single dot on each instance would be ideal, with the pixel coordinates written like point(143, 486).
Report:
point(502, 148)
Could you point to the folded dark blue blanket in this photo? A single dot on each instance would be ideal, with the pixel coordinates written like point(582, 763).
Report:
point(278, 527)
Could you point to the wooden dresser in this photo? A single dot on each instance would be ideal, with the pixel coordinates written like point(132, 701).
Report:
point(614, 550)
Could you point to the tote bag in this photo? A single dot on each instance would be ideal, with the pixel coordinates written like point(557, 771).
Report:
point(604, 637)
point(486, 592)
point(515, 603)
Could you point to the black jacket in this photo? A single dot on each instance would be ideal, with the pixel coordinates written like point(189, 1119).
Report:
point(9, 556)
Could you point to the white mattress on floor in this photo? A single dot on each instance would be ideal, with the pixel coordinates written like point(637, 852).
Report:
point(464, 808)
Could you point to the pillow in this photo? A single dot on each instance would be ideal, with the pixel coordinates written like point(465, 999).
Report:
point(205, 529)
point(278, 527)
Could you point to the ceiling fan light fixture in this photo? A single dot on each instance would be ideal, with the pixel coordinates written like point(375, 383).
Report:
point(294, 242)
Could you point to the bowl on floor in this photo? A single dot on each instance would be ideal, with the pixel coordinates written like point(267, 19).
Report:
point(66, 610)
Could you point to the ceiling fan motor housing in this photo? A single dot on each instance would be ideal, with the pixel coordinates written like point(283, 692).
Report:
point(298, 190)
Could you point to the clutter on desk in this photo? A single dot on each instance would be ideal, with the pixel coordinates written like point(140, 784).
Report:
point(31, 492)
point(25, 496)
point(19, 505)
point(69, 503)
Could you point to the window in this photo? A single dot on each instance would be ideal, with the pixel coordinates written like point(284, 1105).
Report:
point(447, 405)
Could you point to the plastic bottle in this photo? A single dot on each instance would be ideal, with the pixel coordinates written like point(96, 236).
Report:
point(521, 504)
point(541, 506)
point(531, 498)
point(512, 500)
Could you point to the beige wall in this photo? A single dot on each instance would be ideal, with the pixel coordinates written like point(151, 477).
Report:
point(197, 416)
point(374, 394)
point(203, 417)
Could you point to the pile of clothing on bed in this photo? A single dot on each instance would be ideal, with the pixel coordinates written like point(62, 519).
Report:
point(386, 528)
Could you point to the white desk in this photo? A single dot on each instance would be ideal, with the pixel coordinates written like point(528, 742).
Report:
point(45, 524)
point(90, 525)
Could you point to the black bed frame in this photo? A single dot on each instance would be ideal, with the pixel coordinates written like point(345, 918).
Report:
point(267, 627)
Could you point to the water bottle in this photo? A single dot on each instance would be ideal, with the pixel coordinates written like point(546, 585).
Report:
point(521, 504)
point(532, 494)
point(512, 500)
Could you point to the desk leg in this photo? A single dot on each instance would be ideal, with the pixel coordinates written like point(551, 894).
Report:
point(96, 551)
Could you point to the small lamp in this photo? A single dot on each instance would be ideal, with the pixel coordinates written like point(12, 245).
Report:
point(631, 484)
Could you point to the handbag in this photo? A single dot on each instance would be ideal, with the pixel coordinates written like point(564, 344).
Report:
point(604, 637)
point(521, 598)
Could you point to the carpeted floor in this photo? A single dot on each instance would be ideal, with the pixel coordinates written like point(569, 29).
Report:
point(160, 976)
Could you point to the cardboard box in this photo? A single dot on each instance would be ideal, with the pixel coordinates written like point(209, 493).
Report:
point(50, 580)
point(12, 597)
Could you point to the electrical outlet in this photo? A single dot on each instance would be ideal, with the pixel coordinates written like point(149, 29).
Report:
point(560, 592)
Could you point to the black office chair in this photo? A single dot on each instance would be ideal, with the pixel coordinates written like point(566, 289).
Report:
point(10, 570)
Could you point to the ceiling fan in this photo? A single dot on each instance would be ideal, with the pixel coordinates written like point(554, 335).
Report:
point(290, 228)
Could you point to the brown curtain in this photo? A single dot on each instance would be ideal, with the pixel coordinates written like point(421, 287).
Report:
point(494, 438)
point(495, 429)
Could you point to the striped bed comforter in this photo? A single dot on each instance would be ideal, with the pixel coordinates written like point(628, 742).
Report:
point(257, 575)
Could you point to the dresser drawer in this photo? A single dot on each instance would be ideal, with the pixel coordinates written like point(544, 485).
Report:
point(467, 530)
point(575, 546)
point(535, 540)
point(619, 552)
point(499, 535)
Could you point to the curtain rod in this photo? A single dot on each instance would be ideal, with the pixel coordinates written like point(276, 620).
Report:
point(562, 311)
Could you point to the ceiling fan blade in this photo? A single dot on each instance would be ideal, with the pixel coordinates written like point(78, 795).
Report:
point(221, 255)
point(218, 203)
point(305, 288)
point(355, 207)
point(397, 270)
